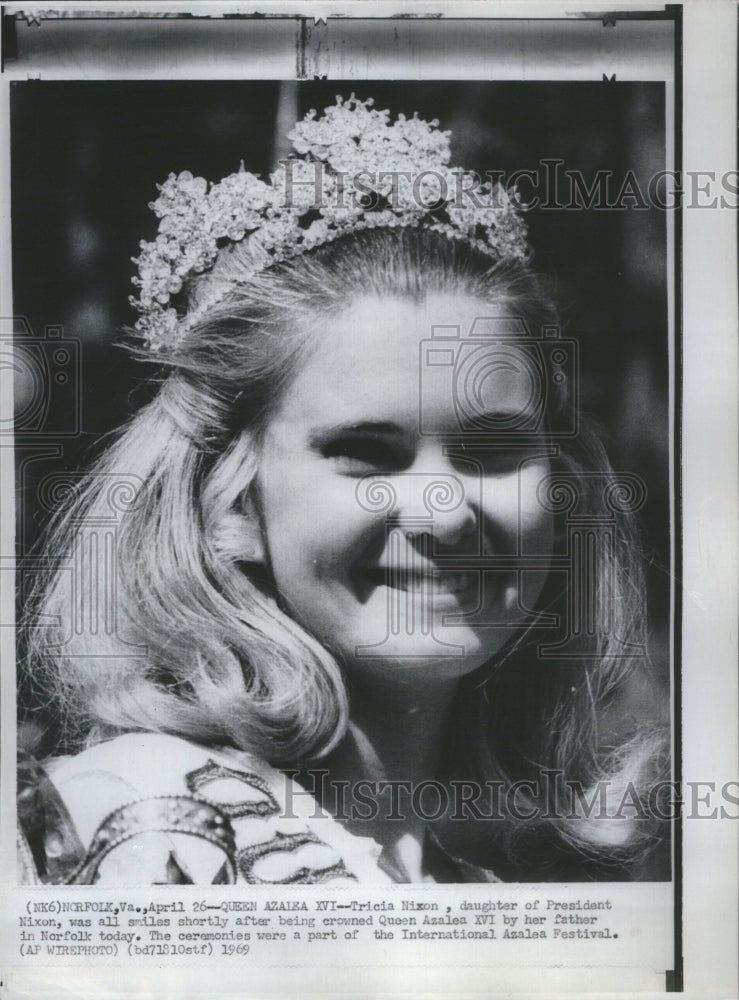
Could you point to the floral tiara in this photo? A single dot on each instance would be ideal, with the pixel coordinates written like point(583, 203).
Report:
point(355, 169)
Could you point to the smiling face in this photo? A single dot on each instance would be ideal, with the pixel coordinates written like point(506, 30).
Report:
point(391, 534)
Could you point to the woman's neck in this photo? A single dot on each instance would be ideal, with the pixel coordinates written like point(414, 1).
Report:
point(396, 738)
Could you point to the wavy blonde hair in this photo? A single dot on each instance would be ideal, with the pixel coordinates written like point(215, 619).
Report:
point(199, 645)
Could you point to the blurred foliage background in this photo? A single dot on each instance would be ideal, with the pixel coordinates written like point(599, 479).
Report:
point(86, 158)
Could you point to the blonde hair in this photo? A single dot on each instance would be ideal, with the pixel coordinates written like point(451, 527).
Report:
point(198, 644)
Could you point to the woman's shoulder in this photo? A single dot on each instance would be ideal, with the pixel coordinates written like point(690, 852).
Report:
point(151, 807)
point(147, 764)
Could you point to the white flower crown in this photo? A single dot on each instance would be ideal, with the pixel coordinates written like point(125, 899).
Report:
point(354, 170)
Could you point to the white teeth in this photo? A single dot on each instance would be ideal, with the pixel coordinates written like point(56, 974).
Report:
point(452, 584)
point(511, 598)
point(440, 583)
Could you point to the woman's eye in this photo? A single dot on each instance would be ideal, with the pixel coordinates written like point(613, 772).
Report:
point(359, 455)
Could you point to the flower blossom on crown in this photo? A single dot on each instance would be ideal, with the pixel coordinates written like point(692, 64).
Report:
point(353, 169)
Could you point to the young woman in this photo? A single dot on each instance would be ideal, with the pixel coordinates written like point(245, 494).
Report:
point(342, 627)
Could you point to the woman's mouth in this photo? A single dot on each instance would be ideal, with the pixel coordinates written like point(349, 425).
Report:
point(437, 582)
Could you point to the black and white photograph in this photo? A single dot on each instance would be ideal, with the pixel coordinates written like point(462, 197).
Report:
point(348, 551)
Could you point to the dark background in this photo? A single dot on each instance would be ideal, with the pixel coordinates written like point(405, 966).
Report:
point(86, 158)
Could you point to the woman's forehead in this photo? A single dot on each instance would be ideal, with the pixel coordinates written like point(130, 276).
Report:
point(374, 327)
point(383, 355)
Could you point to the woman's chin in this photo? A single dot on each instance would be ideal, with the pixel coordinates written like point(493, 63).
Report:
point(441, 650)
point(387, 631)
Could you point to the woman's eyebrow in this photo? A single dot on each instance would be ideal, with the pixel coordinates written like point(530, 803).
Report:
point(363, 427)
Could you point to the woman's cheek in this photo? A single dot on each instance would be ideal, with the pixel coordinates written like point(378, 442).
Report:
point(340, 533)
point(536, 524)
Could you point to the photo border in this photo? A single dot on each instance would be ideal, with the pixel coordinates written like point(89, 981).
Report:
point(673, 12)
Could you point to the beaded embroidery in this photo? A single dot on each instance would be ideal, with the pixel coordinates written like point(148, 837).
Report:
point(198, 780)
point(149, 821)
point(159, 814)
point(247, 857)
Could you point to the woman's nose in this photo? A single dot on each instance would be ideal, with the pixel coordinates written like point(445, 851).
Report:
point(438, 502)
point(452, 528)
